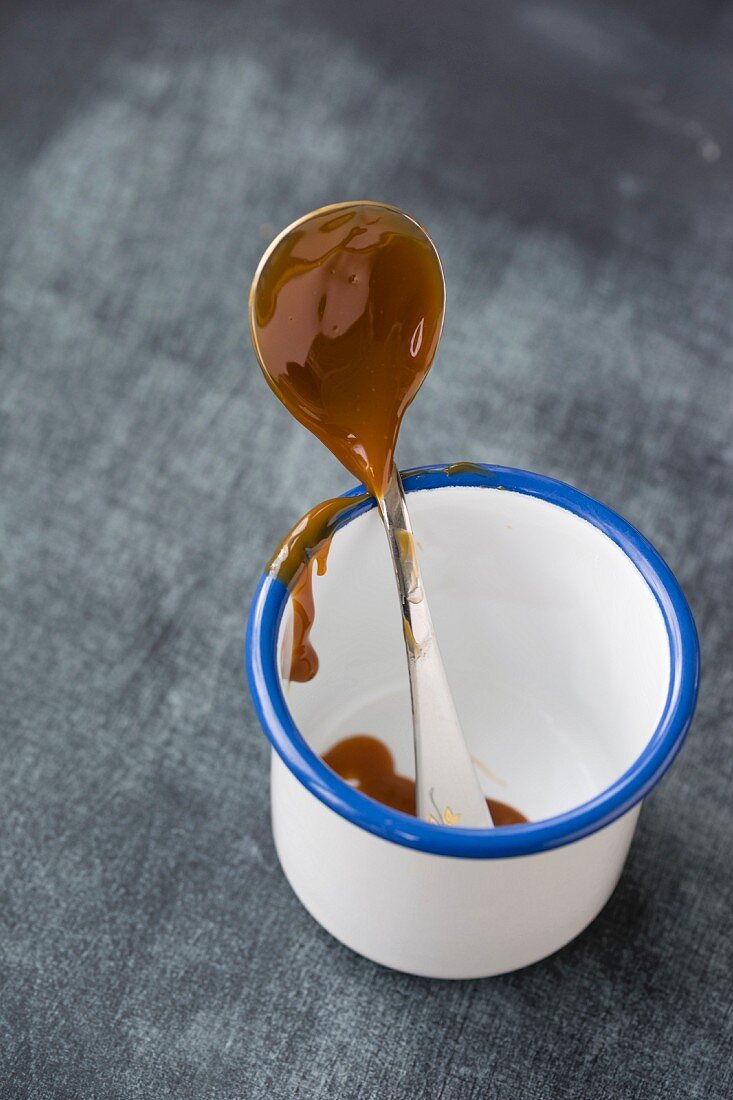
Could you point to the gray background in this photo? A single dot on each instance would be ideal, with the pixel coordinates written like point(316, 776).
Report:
point(573, 161)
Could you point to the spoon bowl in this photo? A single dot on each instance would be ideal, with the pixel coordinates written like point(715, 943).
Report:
point(345, 313)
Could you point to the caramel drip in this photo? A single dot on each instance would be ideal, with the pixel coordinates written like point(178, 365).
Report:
point(368, 764)
point(303, 657)
point(309, 534)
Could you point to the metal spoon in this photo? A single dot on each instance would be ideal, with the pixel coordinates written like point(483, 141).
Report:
point(447, 787)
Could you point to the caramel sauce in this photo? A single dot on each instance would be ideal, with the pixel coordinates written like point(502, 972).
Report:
point(303, 659)
point(301, 553)
point(367, 763)
point(346, 321)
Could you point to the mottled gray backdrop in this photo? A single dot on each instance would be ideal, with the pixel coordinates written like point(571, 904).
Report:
point(574, 161)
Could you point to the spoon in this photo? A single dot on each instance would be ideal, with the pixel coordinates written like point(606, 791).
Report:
point(345, 313)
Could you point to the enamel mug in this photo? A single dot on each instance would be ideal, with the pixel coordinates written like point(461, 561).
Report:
point(573, 660)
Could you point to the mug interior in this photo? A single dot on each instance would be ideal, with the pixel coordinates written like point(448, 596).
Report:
point(554, 643)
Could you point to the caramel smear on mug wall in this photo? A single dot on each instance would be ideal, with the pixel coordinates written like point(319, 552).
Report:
point(368, 764)
point(347, 320)
point(303, 657)
point(303, 553)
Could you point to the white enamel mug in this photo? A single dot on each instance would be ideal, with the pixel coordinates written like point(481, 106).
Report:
point(574, 664)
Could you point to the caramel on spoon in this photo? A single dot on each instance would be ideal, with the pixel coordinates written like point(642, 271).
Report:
point(345, 311)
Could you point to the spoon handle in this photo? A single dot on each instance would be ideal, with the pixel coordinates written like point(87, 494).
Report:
point(448, 790)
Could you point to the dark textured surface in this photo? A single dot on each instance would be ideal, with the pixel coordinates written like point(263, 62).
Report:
point(574, 163)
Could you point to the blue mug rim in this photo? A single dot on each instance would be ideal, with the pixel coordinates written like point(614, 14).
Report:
point(621, 796)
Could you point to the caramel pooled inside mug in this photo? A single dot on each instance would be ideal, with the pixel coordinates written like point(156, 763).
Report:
point(368, 764)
